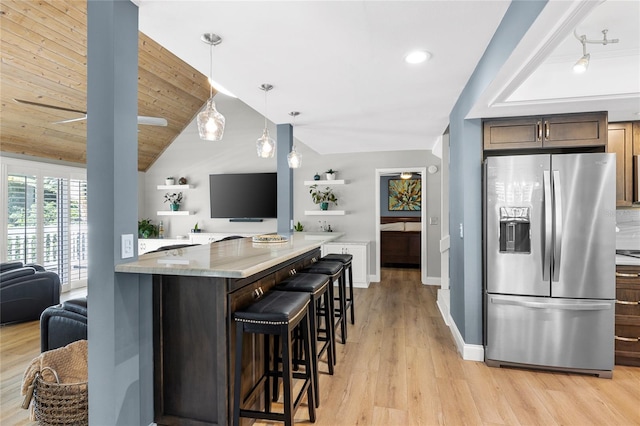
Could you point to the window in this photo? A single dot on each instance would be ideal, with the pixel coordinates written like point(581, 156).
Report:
point(46, 218)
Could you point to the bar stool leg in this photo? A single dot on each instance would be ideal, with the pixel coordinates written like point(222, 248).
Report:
point(287, 375)
point(343, 306)
point(238, 370)
point(353, 315)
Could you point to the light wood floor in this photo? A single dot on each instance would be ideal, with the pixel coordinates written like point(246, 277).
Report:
point(400, 367)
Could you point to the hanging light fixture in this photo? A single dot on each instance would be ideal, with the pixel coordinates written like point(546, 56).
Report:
point(294, 158)
point(210, 121)
point(265, 145)
point(583, 63)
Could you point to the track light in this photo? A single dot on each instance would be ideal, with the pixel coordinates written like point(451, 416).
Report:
point(583, 63)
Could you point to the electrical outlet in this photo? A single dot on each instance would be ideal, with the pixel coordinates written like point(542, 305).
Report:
point(127, 245)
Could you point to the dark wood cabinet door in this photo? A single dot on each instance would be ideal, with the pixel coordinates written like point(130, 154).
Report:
point(572, 130)
point(513, 133)
point(627, 325)
point(553, 131)
point(621, 143)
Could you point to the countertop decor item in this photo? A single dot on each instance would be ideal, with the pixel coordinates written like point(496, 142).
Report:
point(146, 229)
point(298, 227)
point(169, 181)
point(323, 197)
point(182, 181)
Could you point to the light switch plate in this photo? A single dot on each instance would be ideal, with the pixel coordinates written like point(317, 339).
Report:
point(433, 220)
point(127, 245)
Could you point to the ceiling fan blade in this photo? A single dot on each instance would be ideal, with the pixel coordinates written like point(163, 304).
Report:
point(142, 119)
point(71, 120)
point(22, 101)
point(152, 121)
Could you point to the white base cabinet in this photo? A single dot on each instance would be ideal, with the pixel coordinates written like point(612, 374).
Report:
point(145, 245)
point(360, 263)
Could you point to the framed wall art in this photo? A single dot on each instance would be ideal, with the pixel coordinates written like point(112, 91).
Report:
point(405, 194)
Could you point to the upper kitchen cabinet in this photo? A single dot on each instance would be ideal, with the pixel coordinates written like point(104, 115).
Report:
point(553, 131)
point(624, 141)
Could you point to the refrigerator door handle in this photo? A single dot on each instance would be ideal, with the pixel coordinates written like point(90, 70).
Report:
point(557, 225)
point(546, 253)
point(551, 305)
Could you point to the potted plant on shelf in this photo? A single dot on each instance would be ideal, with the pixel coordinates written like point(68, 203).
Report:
point(174, 200)
point(331, 174)
point(169, 181)
point(146, 229)
point(323, 197)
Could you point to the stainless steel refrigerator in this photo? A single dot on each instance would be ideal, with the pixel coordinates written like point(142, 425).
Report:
point(549, 256)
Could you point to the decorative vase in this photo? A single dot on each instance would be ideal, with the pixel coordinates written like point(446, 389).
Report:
point(316, 177)
point(331, 176)
point(171, 181)
point(175, 207)
point(324, 206)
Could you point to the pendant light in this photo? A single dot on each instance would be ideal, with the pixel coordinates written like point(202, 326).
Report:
point(294, 158)
point(210, 121)
point(265, 145)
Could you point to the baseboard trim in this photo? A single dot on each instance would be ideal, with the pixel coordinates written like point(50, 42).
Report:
point(443, 305)
point(468, 352)
point(432, 281)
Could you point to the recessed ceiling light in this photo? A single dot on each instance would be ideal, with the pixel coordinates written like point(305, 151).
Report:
point(417, 57)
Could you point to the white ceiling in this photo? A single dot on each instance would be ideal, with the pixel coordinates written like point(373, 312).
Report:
point(340, 63)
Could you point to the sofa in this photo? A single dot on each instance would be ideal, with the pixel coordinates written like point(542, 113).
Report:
point(26, 291)
point(63, 324)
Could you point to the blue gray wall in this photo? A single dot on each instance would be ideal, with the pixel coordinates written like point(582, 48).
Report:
point(465, 185)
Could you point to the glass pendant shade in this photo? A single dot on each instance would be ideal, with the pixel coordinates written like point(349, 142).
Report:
point(265, 145)
point(210, 122)
point(294, 158)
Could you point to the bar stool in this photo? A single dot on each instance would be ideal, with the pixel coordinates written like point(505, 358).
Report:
point(278, 313)
point(346, 260)
point(316, 286)
point(335, 271)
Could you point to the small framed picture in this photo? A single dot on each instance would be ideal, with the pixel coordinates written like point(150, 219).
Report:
point(405, 194)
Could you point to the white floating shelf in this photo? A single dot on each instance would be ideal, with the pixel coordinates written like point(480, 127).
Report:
point(324, 212)
point(325, 182)
point(174, 213)
point(175, 186)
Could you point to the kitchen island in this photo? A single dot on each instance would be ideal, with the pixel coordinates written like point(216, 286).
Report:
point(196, 290)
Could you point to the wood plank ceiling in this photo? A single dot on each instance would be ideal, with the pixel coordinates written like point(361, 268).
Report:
point(44, 59)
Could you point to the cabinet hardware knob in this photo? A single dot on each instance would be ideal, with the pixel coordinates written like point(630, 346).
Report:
point(539, 129)
point(293, 272)
point(628, 339)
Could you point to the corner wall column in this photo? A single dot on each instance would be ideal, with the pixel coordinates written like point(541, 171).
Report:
point(119, 305)
point(285, 178)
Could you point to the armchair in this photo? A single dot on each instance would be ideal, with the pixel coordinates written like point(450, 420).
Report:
point(27, 291)
point(63, 324)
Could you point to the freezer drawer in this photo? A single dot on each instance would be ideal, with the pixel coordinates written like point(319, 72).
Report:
point(559, 333)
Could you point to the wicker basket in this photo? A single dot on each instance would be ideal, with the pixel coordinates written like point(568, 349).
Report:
point(60, 404)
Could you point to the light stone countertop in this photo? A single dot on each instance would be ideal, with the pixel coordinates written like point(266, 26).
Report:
point(237, 258)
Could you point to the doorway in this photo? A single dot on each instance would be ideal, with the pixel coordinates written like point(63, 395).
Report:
point(418, 173)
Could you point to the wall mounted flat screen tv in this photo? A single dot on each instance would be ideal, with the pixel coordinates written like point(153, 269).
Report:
point(244, 195)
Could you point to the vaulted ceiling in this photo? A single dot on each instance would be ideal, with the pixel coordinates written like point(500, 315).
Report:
point(44, 60)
